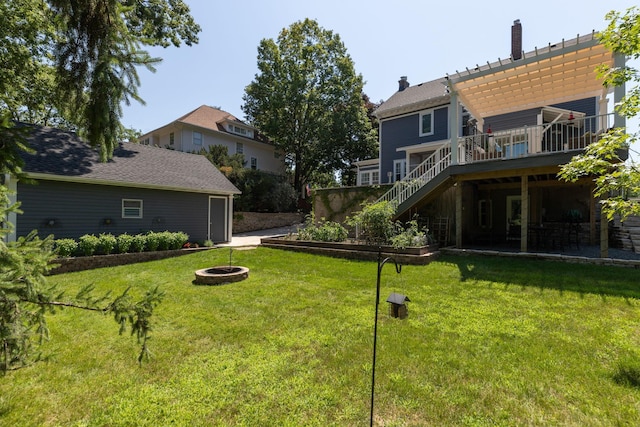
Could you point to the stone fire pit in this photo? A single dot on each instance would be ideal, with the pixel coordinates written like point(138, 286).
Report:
point(220, 275)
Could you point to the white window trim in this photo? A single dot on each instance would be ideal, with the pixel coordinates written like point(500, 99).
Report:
point(403, 169)
point(127, 216)
point(239, 148)
point(369, 177)
point(424, 113)
point(194, 138)
point(365, 178)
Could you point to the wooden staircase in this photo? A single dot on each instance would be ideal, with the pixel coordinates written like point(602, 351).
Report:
point(426, 177)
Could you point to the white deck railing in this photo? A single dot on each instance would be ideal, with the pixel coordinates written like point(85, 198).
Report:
point(555, 137)
point(419, 176)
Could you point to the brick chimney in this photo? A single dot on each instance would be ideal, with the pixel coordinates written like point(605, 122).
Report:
point(402, 83)
point(516, 40)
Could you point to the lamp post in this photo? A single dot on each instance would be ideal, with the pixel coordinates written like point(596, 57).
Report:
point(381, 263)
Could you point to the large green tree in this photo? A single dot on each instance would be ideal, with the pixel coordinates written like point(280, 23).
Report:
point(307, 98)
point(616, 180)
point(69, 63)
point(73, 63)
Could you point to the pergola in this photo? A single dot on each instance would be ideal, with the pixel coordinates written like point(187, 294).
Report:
point(552, 75)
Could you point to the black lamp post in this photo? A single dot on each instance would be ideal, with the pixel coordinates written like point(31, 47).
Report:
point(381, 263)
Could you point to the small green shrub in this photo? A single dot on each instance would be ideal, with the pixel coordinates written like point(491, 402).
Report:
point(88, 244)
point(153, 241)
point(178, 240)
point(138, 243)
point(326, 231)
point(124, 243)
point(411, 236)
point(374, 222)
point(66, 247)
point(207, 243)
point(165, 239)
point(107, 243)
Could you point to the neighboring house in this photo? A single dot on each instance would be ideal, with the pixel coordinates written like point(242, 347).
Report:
point(206, 126)
point(140, 189)
point(482, 147)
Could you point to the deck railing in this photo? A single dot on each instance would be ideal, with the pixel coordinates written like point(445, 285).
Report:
point(549, 138)
point(419, 176)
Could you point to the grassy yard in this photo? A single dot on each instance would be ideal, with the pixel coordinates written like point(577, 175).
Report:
point(488, 342)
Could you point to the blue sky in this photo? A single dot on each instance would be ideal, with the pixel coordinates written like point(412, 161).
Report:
point(386, 40)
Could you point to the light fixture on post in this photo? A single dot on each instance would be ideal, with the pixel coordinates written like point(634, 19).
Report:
point(571, 119)
point(381, 263)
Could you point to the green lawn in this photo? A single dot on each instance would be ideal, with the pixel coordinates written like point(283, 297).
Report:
point(488, 342)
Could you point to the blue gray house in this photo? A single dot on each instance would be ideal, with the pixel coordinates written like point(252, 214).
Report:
point(481, 148)
point(142, 188)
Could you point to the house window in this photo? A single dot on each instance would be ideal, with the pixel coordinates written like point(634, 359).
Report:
point(197, 138)
point(172, 138)
point(239, 148)
point(514, 210)
point(369, 178)
point(364, 178)
point(145, 141)
point(131, 208)
point(399, 169)
point(254, 163)
point(426, 123)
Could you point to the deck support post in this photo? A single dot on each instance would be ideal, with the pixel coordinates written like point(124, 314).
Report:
point(458, 187)
point(524, 212)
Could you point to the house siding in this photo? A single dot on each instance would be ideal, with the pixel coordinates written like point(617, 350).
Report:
point(404, 131)
point(79, 209)
point(184, 142)
point(530, 117)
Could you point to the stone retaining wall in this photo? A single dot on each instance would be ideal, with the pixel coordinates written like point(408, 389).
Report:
point(67, 265)
point(252, 221)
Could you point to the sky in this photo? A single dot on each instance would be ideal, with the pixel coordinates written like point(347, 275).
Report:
point(386, 40)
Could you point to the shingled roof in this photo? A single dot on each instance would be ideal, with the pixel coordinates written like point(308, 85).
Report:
point(412, 98)
point(63, 155)
point(208, 117)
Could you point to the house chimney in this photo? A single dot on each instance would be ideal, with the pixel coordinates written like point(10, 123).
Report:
point(402, 83)
point(516, 40)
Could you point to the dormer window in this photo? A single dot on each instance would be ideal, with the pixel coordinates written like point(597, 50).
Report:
point(239, 130)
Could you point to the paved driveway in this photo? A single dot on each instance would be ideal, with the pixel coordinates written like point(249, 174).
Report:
point(252, 238)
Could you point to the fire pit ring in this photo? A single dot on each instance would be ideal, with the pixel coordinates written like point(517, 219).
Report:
point(220, 275)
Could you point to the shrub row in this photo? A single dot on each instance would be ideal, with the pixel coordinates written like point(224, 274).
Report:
point(375, 225)
point(106, 243)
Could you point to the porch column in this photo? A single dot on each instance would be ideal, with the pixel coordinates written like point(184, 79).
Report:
point(454, 106)
point(524, 212)
point(458, 187)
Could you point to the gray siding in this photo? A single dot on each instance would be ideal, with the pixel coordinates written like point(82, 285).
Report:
point(78, 209)
point(405, 131)
point(512, 120)
point(529, 117)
